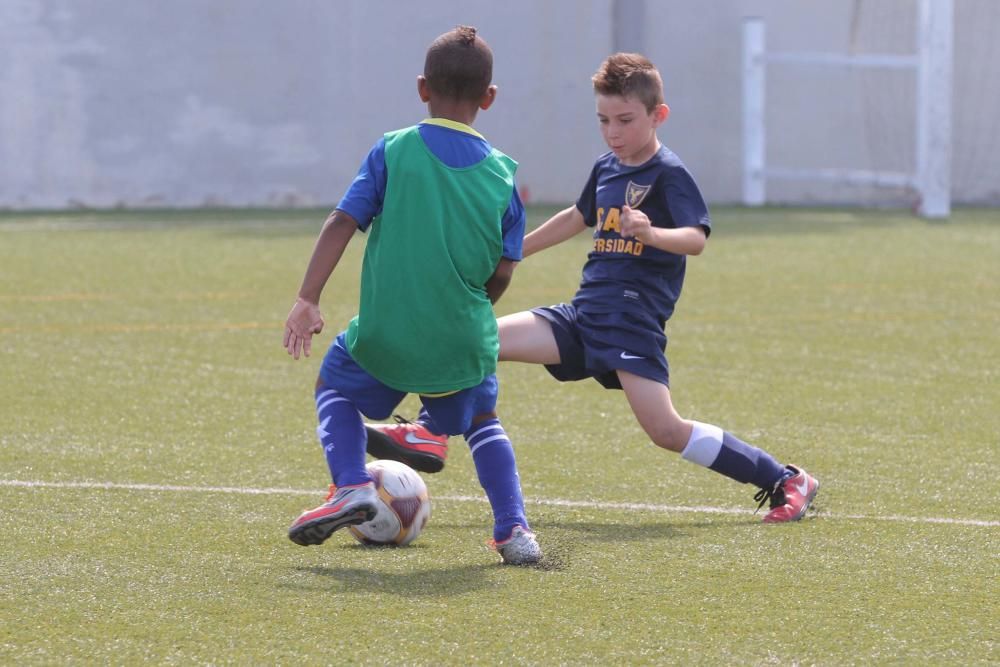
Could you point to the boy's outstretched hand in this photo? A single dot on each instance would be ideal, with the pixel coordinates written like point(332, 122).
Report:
point(304, 321)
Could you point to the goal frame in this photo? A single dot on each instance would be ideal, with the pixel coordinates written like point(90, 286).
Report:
point(930, 176)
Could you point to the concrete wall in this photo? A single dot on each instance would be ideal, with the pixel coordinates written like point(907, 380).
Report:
point(106, 103)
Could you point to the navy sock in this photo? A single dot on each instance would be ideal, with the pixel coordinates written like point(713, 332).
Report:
point(497, 469)
point(724, 453)
point(746, 463)
point(341, 431)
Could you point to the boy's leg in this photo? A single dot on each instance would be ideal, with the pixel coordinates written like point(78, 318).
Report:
point(789, 489)
point(496, 467)
point(527, 337)
point(423, 445)
point(493, 455)
point(341, 433)
point(352, 495)
point(343, 390)
point(472, 413)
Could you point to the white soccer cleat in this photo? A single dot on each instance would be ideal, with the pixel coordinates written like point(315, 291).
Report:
point(521, 548)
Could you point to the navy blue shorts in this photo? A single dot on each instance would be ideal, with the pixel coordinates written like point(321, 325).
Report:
point(596, 345)
point(452, 413)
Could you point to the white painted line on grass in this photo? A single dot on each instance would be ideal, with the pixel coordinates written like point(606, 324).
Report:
point(587, 504)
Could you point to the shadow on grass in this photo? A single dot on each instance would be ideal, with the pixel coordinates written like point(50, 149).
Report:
point(444, 581)
point(618, 533)
point(563, 543)
point(614, 531)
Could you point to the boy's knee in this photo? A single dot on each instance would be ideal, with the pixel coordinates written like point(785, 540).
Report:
point(672, 435)
point(453, 424)
point(378, 414)
point(486, 416)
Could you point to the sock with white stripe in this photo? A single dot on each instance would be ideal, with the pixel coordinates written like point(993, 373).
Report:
point(726, 454)
point(493, 455)
point(341, 431)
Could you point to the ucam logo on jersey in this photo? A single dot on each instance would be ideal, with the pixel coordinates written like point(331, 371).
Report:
point(635, 194)
point(612, 222)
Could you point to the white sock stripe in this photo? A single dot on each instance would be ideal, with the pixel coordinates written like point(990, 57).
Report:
point(490, 425)
point(474, 447)
point(319, 408)
point(482, 436)
point(328, 392)
point(486, 433)
point(704, 445)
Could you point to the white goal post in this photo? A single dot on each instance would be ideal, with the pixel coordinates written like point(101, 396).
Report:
point(930, 176)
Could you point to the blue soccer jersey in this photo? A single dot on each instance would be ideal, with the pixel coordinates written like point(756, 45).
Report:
point(624, 274)
point(456, 145)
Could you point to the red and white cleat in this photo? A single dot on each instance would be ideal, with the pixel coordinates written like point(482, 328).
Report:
point(408, 442)
point(346, 506)
point(790, 498)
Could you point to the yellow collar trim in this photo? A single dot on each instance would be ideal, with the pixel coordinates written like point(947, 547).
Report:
point(451, 124)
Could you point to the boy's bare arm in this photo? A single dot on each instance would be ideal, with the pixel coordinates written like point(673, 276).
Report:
point(563, 225)
point(498, 282)
point(680, 241)
point(305, 318)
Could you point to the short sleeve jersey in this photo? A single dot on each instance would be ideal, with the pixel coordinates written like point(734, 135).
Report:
point(455, 144)
point(624, 274)
point(425, 322)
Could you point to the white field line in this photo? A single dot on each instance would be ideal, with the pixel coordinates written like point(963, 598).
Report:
point(588, 504)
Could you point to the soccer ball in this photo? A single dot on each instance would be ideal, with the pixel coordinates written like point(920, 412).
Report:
point(403, 505)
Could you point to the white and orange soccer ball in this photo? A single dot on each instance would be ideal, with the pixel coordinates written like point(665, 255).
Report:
point(404, 505)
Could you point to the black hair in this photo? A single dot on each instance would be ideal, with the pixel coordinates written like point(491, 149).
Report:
point(459, 64)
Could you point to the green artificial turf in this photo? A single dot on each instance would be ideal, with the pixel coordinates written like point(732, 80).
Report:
point(156, 441)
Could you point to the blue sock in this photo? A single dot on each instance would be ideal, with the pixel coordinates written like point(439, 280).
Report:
point(726, 454)
point(494, 458)
point(424, 418)
point(341, 431)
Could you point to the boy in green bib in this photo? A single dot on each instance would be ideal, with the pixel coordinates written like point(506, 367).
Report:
point(445, 227)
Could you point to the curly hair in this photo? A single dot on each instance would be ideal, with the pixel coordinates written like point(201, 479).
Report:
point(459, 64)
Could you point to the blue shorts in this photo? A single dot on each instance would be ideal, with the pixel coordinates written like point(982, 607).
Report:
point(596, 345)
point(452, 414)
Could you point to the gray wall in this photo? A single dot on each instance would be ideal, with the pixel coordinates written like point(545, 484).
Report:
point(260, 103)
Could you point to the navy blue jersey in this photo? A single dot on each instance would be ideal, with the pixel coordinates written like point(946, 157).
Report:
point(624, 274)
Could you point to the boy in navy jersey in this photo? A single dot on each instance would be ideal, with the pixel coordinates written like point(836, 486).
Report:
point(445, 219)
point(647, 216)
